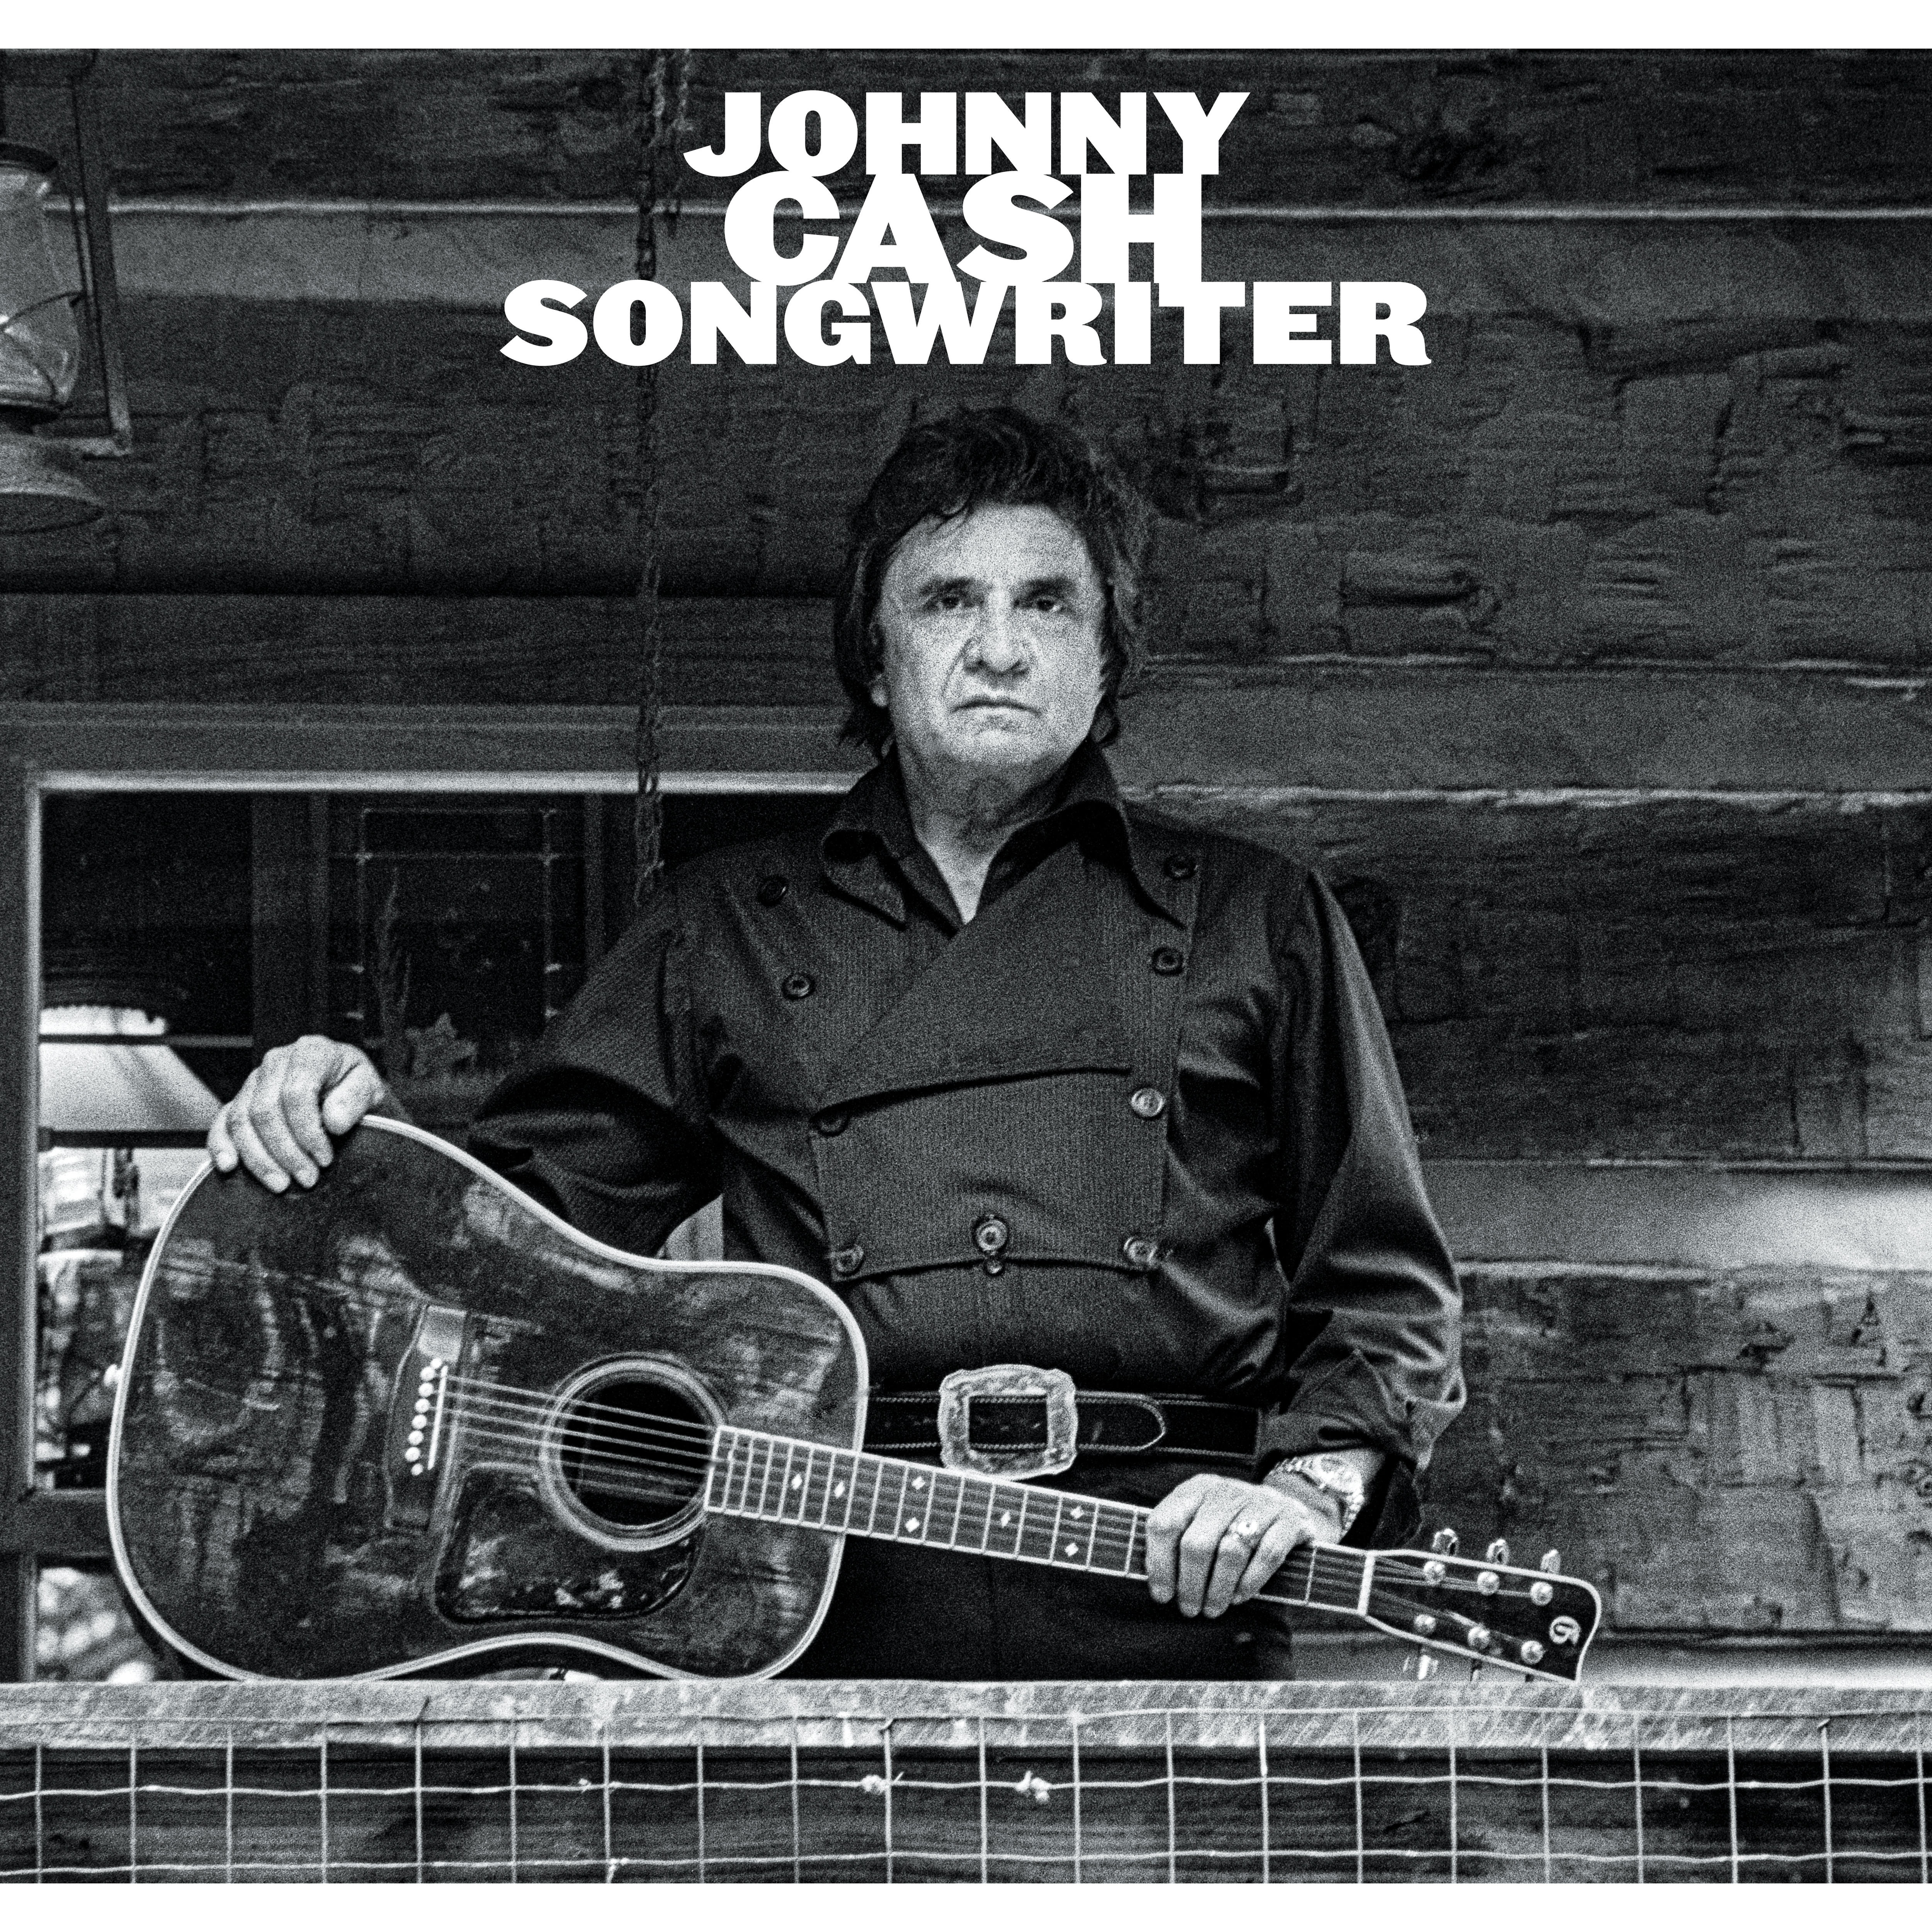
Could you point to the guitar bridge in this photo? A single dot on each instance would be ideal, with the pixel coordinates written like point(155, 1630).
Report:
point(420, 1420)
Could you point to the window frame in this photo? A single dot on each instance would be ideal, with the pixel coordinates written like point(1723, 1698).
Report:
point(92, 748)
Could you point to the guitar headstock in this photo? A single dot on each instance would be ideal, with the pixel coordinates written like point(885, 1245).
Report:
point(1490, 1611)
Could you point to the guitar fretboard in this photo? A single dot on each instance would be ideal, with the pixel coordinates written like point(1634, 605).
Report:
point(774, 1479)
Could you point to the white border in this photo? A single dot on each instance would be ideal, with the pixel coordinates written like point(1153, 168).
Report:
point(633, 1663)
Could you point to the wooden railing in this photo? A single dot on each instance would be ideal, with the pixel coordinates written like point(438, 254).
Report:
point(920, 1782)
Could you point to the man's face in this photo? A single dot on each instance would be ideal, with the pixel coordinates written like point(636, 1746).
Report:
point(991, 627)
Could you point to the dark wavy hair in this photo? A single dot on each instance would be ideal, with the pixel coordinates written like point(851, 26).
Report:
point(961, 463)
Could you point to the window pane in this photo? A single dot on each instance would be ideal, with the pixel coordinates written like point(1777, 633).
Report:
point(456, 932)
point(184, 932)
point(145, 938)
point(83, 1633)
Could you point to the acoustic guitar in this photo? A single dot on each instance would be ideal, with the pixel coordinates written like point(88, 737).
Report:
point(409, 1420)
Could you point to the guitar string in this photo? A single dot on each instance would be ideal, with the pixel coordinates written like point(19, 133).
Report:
point(208, 1268)
point(665, 1468)
point(817, 1480)
point(1328, 1569)
point(605, 1448)
point(661, 1482)
point(475, 1392)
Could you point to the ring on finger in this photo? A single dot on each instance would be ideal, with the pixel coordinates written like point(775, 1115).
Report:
point(1247, 1529)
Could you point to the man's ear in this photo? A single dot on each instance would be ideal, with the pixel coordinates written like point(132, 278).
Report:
point(877, 691)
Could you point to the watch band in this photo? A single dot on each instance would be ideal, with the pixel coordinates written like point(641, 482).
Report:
point(1333, 1477)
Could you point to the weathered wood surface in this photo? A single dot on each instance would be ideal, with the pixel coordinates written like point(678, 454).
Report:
point(1497, 1712)
point(217, 648)
point(1641, 978)
point(540, 748)
point(914, 1782)
point(1684, 1214)
point(1390, 129)
point(1268, 725)
point(1204, 1821)
point(1742, 1450)
point(1723, 483)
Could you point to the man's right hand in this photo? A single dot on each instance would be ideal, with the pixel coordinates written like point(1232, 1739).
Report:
point(278, 1126)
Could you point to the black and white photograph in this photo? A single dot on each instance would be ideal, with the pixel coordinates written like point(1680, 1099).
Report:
point(965, 965)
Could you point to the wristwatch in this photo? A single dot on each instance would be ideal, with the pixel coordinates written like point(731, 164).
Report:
point(1333, 1477)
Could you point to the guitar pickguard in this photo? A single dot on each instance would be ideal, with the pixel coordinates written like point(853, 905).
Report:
point(507, 1561)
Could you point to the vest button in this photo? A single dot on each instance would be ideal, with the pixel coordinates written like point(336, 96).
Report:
point(831, 1122)
point(1180, 865)
point(1149, 1102)
point(772, 889)
point(1168, 960)
point(847, 1261)
point(991, 1234)
point(1142, 1251)
point(798, 986)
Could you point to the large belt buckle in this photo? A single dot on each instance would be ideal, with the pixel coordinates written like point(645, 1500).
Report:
point(1009, 1381)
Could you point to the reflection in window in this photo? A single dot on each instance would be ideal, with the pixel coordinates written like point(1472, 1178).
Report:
point(184, 934)
point(84, 1634)
point(456, 932)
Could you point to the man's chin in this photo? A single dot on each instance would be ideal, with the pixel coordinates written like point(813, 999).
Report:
point(1005, 738)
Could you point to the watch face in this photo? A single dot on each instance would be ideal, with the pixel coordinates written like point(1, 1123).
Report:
point(1336, 1480)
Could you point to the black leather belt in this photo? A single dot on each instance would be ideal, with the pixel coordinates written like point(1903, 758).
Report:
point(1107, 1423)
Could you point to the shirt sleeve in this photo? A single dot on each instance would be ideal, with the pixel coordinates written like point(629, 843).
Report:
point(1374, 1312)
point(603, 1123)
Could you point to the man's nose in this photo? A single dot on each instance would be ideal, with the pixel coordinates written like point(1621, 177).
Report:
point(998, 645)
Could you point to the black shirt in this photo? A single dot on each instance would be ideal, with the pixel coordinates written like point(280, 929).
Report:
point(1150, 1073)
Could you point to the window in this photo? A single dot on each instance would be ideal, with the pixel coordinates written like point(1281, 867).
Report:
point(188, 920)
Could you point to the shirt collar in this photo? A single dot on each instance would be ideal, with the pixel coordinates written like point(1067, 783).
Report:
point(874, 818)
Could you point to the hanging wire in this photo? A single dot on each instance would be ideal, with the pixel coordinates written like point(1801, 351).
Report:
point(665, 85)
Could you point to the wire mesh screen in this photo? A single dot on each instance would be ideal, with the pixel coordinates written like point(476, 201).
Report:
point(921, 1783)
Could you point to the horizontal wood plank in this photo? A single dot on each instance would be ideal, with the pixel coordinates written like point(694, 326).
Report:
point(1495, 1713)
point(1744, 1450)
point(1279, 727)
point(216, 648)
point(1733, 479)
point(1651, 1214)
point(1407, 129)
point(1637, 978)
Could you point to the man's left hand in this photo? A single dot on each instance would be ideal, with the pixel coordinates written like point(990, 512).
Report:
point(1214, 1541)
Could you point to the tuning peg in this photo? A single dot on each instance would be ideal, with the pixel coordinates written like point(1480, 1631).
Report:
point(1444, 1542)
point(1497, 1552)
point(1426, 1667)
point(1552, 1564)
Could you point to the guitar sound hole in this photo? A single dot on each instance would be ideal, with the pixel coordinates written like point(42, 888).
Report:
point(634, 1452)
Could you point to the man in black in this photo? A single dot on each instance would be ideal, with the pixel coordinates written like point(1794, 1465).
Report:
point(1029, 1077)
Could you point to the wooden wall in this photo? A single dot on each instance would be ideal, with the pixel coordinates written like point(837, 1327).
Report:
point(1588, 660)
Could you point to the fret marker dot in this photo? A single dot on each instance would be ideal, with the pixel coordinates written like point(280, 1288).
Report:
point(1073, 1550)
point(1006, 1517)
point(798, 1482)
point(1077, 1515)
point(838, 1489)
point(919, 1482)
point(912, 1522)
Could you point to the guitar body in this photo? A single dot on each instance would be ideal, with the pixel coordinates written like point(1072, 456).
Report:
point(363, 1429)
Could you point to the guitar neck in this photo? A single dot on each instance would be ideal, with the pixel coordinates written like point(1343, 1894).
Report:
point(847, 1491)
